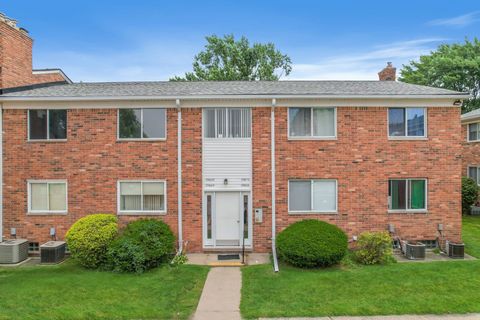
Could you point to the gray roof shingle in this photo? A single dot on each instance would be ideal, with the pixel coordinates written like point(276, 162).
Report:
point(231, 88)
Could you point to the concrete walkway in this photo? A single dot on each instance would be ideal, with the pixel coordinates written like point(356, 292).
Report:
point(221, 295)
point(471, 316)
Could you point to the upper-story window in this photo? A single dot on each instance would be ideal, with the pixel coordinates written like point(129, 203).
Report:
point(47, 124)
point(227, 123)
point(312, 123)
point(474, 132)
point(406, 122)
point(146, 124)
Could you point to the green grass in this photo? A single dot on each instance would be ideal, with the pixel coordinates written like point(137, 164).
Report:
point(471, 235)
point(68, 291)
point(401, 288)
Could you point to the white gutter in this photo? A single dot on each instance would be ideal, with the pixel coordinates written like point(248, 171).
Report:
point(274, 232)
point(233, 97)
point(179, 175)
point(1, 172)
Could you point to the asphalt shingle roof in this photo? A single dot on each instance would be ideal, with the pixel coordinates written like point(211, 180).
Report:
point(231, 88)
point(471, 115)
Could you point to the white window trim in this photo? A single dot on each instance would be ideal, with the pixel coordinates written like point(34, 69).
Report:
point(406, 136)
point(48, 139)
point(311, 136)
point(407, 190)
point(227, 124)
point(46, 212)
point(478, 171)
point(468, 132)
point(141, 126)
point(142, 212)
point(293, 212)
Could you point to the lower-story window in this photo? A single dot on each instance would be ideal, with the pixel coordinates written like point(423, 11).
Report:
point(142, 196)
point(312, 196)
point(49, 196)
point(473, 172)
point(407, 195)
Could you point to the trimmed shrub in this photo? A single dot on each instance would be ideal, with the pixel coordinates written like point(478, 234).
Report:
point(312, 243)
point(469, 194)
point(143, 244)
point(89, 238)
point(374, 248)
point(126, 256)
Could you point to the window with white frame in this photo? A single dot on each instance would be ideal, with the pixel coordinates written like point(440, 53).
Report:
point(407, 194)
point(474, 132)
point(312, 122)
point(46, 124)
point(474, 173)
point(406, 122)
point(142, 196)
point(312, 195)
point(47, 196)
point(227, 123)
point(142, 123)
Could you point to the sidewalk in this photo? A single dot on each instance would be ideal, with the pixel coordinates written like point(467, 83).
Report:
point(471, 316)
point(221, 295)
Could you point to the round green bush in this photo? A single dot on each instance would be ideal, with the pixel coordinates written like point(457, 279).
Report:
point(89, 238)
point(374, 248)
point(125, 256)
point(150, 241)
point(312, 243)
point(469, 194)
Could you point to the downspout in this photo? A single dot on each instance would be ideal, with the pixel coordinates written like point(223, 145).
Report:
point(1, 172)
point(179, 176)
point(274, 233)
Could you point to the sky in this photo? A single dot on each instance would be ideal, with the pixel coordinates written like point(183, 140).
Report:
point(155, 40)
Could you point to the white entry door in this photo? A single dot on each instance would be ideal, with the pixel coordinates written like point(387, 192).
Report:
point(227, 218)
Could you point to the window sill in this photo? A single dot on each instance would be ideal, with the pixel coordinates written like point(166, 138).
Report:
point(141, 140)
point(473, 141)
point(140, 213)
point(408, 138)
point(47, 213)
point(311, 138)
point(46, 140)
point(408, 211)
point(311, 212)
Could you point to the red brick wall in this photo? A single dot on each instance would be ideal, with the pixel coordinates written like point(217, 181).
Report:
point(92, 161)
point(363, 159)
point(15, 57)
point(47, 77)
point(16, 60)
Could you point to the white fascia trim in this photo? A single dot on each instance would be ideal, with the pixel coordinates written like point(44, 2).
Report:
point(233, 97)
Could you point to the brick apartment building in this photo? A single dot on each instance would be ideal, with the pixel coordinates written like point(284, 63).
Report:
point(226, 164)
point(471, 146)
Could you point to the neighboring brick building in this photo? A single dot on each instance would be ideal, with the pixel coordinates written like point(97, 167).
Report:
point(471, 145)
point(359, 154)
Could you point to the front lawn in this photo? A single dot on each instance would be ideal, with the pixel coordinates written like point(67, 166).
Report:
point(401, 288)
point(68, 291)
point(471, 235)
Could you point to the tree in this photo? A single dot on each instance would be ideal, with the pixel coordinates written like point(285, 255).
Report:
point(227, 59)
point(451, 66)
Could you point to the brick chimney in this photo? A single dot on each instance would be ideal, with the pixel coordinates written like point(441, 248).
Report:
point(16, 58)
point(389, 73)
